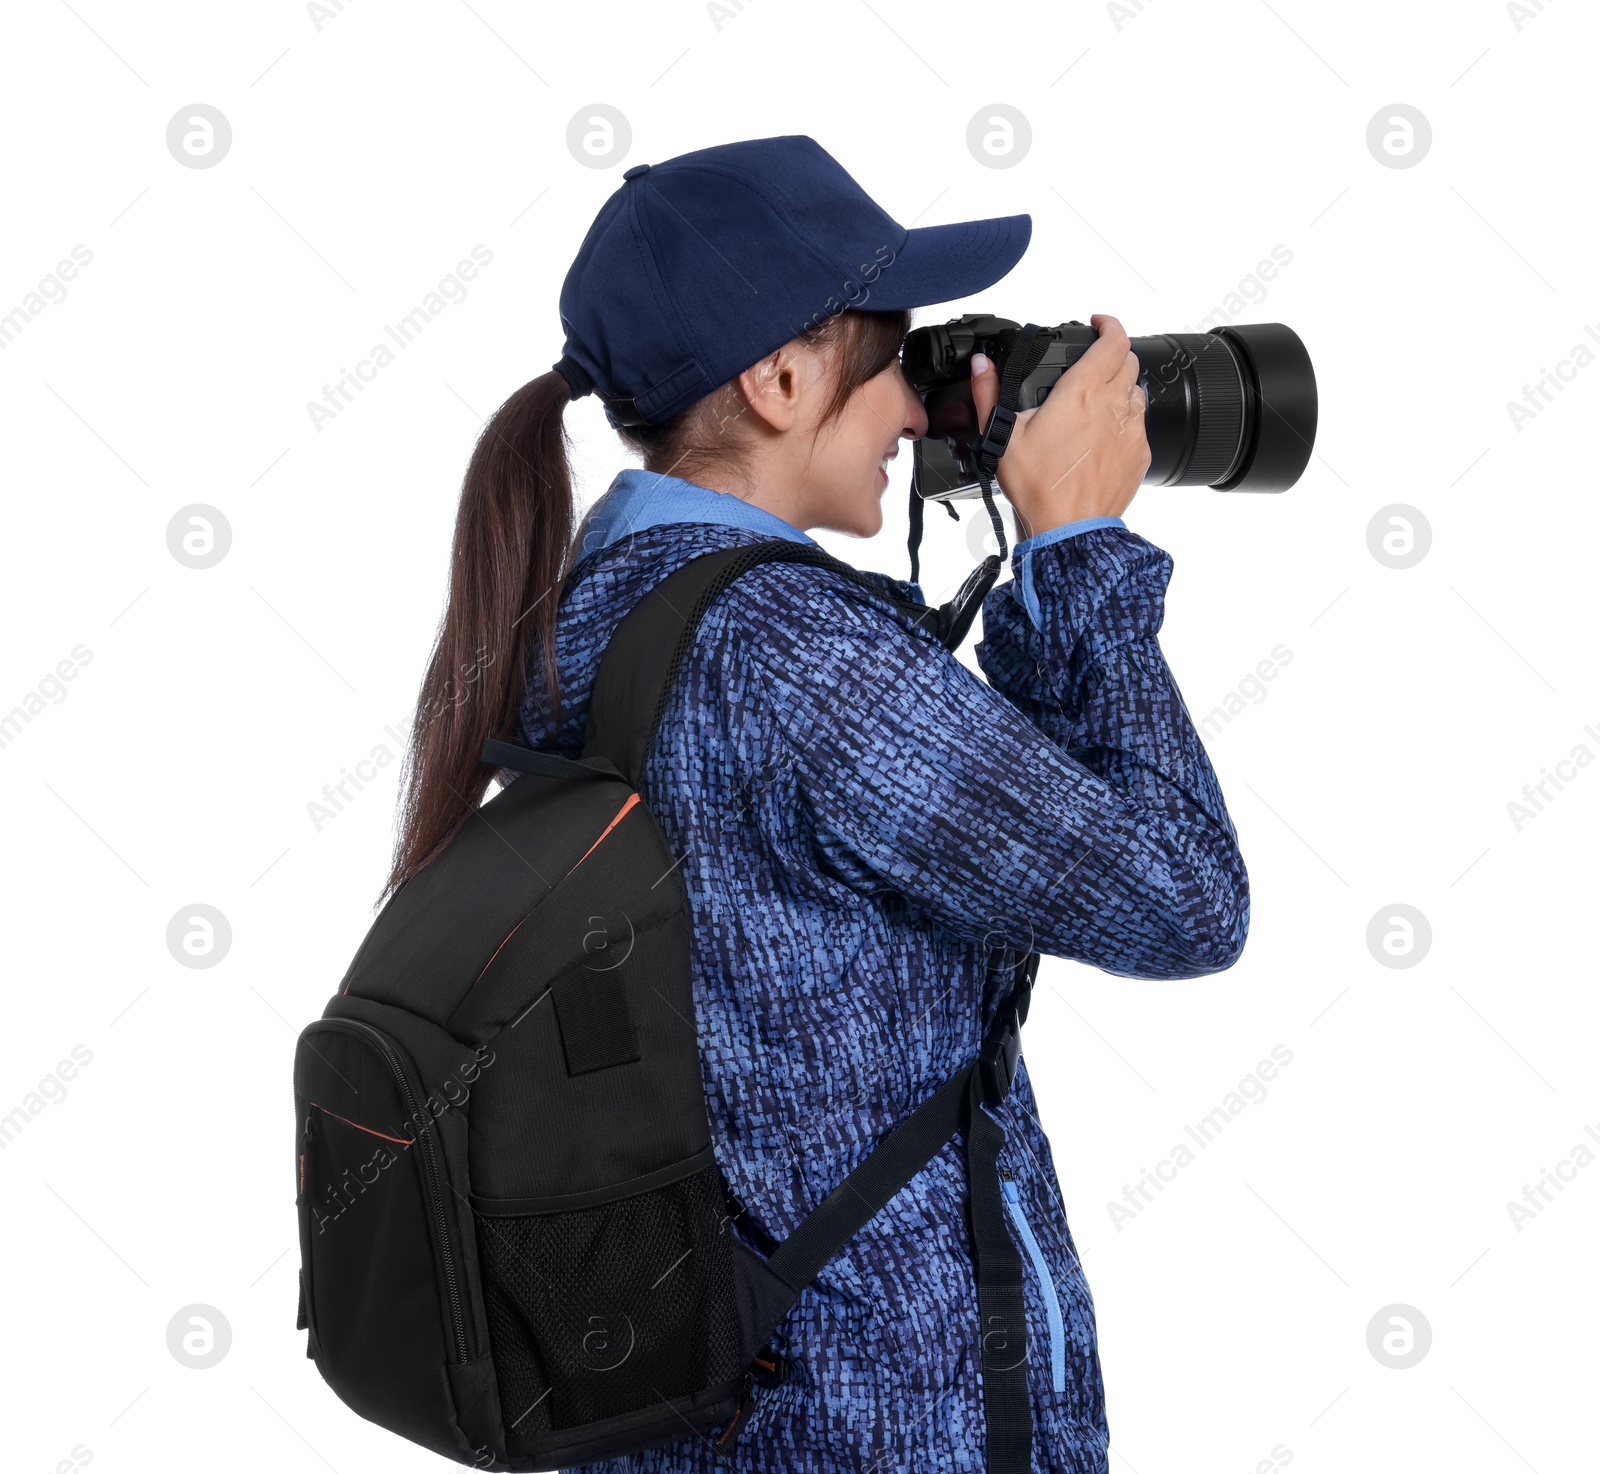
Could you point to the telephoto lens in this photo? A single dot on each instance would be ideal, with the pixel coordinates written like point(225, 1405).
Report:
point(1234, 409)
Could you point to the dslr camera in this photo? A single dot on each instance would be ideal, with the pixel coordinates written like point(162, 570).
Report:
point(1234, 409)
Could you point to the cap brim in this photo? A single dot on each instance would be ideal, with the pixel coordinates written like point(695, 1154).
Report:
point(941, 263)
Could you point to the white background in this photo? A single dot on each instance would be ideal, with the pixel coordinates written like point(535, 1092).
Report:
point(1172, 150)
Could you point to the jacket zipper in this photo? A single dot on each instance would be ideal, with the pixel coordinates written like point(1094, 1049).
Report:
point(430, 1175)
point(1047, 1289)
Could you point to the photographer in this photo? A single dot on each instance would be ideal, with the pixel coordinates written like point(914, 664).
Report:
point(872, 838)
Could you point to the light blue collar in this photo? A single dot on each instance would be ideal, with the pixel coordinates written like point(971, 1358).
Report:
point(637, 499)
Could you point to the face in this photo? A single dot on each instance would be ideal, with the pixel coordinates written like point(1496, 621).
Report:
point(812, 474)
point(848, 472)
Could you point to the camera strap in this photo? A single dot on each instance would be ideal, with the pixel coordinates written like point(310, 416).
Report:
point(956, 616)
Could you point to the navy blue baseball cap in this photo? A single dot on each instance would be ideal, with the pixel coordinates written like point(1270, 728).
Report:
point(699, 266)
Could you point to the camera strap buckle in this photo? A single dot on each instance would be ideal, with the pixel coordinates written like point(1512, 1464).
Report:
point(996, 437)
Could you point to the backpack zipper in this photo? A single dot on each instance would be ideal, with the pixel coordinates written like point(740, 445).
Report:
point(1047, 1288)
point(430, 1175)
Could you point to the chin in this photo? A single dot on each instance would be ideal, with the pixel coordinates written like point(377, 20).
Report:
point(859, 519)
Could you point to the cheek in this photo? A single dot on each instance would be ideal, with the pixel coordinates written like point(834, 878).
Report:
point(881, 415)
point(860, 440)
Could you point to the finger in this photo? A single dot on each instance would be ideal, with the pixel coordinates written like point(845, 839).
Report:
point(985, 387)
point(1127, 372)
point(1104, 356)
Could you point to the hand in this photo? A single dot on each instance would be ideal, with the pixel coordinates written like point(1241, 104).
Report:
point(1083, 452)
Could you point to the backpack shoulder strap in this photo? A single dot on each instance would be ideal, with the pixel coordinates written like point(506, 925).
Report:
point(641, 661)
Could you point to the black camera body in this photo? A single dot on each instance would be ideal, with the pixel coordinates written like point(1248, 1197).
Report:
point(1234, 409)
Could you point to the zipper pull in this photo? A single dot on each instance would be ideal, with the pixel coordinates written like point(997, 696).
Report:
point(774, 1365)
point(717, 1449)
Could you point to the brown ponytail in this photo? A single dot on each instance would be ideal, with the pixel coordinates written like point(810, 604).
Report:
point(513, 550)
point(512, 539)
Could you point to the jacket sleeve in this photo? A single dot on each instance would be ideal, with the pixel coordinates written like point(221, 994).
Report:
point(1067, 808)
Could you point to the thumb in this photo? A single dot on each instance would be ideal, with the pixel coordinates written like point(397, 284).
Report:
point(985, 387)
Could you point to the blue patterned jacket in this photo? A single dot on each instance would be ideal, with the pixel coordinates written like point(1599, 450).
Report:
point(872, 837)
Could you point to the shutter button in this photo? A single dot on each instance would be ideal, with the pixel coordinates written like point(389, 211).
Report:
point(636, 171)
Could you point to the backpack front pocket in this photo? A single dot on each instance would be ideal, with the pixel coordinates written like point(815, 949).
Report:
point(385, 1289)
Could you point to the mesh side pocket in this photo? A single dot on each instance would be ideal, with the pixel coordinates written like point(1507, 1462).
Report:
point(612, 1309)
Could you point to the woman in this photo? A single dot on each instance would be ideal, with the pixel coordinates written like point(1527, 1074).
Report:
point(872, 838)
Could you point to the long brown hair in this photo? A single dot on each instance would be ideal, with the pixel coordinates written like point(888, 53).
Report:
point(512, 552)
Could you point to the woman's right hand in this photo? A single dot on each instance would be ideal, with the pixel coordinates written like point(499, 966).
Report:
point(1083, 452)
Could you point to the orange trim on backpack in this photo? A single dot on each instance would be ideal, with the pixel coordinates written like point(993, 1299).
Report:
point(727, 1433)
point(402, 1140)
point(633, 798)
point(500, 948)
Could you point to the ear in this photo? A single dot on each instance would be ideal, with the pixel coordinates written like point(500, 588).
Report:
point(777, 387)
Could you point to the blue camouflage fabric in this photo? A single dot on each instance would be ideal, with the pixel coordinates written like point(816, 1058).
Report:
point(872, 838)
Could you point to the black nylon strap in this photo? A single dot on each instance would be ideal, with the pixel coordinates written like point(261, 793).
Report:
point(1003, 1343)
point(1020, 362)
point(914, 524)
point(542, 764)
point(896, 1159)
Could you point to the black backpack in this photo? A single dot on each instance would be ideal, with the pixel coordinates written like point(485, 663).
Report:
point(514, 1237)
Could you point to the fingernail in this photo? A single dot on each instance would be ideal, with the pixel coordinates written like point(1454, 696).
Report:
point(980, 363)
